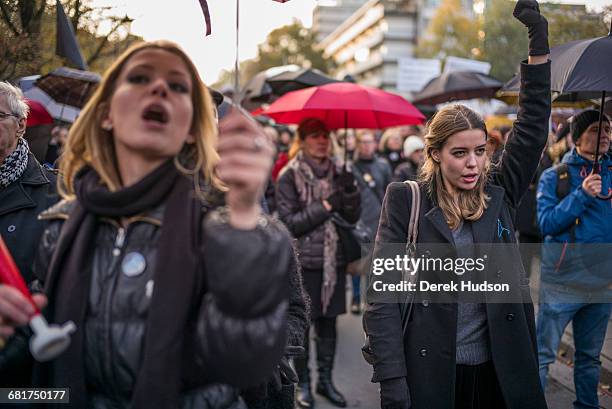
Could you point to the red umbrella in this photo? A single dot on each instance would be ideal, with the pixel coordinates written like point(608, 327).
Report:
point(345, 105)
point(257, 112)
point(38, 114)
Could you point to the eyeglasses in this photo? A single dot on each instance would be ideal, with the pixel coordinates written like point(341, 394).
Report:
point(4, 115)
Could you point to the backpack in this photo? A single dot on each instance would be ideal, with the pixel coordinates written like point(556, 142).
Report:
point(563, 189)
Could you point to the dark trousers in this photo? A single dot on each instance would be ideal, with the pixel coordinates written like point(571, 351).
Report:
point(325, 327)
point(476, 387)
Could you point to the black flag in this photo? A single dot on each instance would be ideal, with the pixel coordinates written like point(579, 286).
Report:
point(67, 45)
point(206, 11)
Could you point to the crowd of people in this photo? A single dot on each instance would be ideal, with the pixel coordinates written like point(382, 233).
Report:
point(194, 251)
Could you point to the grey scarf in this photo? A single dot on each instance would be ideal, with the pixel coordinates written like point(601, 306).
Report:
point(310, 188)
point(14, 164)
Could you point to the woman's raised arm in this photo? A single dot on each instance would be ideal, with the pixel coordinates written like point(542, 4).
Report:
point(530, 131)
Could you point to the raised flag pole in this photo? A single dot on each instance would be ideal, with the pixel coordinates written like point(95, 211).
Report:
point(205, 10)
point(237, 96)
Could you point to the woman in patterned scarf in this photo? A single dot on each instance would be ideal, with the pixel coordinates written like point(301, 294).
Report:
point(311, 192)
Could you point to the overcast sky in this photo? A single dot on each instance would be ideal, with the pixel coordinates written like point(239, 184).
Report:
point(182, 21)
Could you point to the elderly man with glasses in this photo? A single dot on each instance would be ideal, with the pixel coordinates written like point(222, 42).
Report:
point(26, 189)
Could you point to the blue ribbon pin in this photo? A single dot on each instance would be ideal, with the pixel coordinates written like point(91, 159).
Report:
point(501, 229)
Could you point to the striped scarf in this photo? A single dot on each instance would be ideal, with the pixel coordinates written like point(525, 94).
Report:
point(15, 164)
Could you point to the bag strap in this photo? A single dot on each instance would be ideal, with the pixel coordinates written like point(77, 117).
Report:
point(563, 181)
point(562, 190)
point(415, 208)
point(413, 230)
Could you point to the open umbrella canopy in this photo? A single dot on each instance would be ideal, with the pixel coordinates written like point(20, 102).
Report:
point(38, 115)
point(457, 85)
point(300, 79)
point(510, 91)
point(64, 91)
point(25, 83)
point(258, 88)
point(580, 71)
point(583, 66)
point(345, 105)
point(69, 86)
point(66, 113)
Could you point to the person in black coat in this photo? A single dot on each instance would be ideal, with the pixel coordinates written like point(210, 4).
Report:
point(177, 301)
point(390, 147)
point(462, 349)
point(311, 193)
point(413, 154)
point(373, 174)
point(26, 189)
point(279, 392)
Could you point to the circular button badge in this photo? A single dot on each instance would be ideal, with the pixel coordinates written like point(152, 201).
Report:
point(133, 264)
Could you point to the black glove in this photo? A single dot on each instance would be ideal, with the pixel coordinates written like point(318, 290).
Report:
point(335, 200)
point(346, 181)
point(284, 375)
point(528, 13)
point(394, 394)
point(351, 200)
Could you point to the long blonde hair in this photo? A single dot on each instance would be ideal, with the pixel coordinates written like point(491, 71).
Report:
point(388, 134)
point(90, 145)
point(469, 204)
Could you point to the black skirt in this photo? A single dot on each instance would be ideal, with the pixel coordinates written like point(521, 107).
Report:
point(477, 387)
point(313, 280)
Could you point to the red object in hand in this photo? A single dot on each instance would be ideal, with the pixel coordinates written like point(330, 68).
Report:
point(9, 274)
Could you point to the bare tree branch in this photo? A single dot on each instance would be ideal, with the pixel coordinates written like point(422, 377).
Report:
point(6, 16)
point(76, 16)
point(104, 41)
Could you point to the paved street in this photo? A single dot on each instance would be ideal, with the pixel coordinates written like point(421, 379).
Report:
point(352, 374)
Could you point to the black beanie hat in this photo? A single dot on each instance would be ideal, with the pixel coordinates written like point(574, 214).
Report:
point(581, 121)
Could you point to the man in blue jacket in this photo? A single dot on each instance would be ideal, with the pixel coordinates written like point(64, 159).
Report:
point(576, 274)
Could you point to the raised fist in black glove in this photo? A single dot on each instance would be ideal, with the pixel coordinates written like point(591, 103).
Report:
point(528, 13)
point(346, 181)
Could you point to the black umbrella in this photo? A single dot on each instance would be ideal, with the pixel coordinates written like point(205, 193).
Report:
point(583, 66)
point(457, 85)
point(510, 91)
point(258, 91)
point(296, 80)
point(562, 97)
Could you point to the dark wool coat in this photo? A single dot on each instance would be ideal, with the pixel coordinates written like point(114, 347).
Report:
point(425, 356)
point(305, 222)
point(20, 204)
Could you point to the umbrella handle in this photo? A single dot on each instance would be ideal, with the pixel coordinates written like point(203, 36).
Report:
point(237, 96)
point(596, 167)
point(596, 171)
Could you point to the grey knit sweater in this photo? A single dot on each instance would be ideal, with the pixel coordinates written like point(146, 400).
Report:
point(472, 346)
